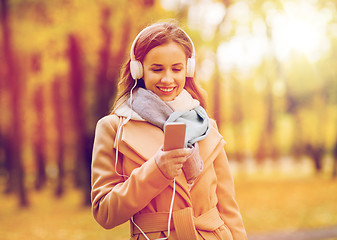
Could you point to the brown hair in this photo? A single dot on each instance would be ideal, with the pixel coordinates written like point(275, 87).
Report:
point(155, 35)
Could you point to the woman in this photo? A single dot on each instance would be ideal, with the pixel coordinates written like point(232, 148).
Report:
point(161, 192)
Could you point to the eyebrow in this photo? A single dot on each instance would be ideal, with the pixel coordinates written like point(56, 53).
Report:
point(160, 65)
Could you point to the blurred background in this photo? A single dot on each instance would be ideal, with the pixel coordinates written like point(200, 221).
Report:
point(269, 70)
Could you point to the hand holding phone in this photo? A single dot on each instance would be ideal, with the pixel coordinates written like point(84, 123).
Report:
point(172, 156)
point(174, 138)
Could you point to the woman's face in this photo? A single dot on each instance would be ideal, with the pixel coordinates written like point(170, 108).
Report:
point(165, 70)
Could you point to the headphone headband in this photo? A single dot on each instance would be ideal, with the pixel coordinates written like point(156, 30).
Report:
point(136, 67)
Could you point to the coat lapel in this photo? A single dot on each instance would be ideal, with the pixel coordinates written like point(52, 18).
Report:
point(143, 138)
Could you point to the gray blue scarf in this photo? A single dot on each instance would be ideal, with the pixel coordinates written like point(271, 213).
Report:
point(157, 112)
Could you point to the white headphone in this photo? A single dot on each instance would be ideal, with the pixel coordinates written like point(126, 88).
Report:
point(136, 67)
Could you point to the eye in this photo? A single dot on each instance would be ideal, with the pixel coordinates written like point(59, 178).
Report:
point(176, 69)
point(157, 69)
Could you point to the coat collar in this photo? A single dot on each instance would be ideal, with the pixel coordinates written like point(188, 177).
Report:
point(143, 138)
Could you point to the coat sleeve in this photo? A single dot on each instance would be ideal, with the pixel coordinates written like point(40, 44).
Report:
point(227, 206)
point(114, 199)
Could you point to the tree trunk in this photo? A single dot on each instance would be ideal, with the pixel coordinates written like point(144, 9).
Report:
point(316, 153)
point(59, 149)
point(334, 171)
point(103, 85)
point(39, 140)
point(8, 164)
point(266, 147)
point(15, 131)
point(237, 119)
point(83, 160)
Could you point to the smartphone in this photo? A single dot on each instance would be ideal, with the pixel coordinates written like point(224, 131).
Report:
point(174, 136)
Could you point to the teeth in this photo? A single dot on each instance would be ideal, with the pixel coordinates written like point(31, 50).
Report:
point(166, 89)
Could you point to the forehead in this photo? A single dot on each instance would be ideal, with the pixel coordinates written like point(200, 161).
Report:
point(169, 53)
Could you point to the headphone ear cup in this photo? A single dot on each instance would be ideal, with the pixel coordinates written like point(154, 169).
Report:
point(136, 69)
point(190, 67)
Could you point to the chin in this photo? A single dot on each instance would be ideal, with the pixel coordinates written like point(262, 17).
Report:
point(166, 99)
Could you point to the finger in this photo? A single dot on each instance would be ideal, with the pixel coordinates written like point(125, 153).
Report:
point(179, 160)
point(183, 152)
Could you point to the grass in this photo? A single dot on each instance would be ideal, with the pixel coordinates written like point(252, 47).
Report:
point(53, 219)
point(276, 203)
point(267, 204)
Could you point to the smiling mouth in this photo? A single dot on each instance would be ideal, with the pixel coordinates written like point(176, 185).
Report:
point(165, 89)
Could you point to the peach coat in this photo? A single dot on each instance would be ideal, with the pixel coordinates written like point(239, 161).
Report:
point(207, 210)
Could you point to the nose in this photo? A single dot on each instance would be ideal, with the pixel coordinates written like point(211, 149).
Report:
point(167, 78)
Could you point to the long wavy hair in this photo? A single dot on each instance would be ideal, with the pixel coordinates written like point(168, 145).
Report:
point(155, 35)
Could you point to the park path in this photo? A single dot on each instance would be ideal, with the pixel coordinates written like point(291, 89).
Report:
point(315, 234)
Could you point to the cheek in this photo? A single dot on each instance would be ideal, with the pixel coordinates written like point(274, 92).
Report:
point(149, 78)
point(182, 81)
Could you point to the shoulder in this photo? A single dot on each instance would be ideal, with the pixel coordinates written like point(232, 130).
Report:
point(112, 118)
point(108, 122)
point(213, 123)
point(215, 130)
point(211, 146)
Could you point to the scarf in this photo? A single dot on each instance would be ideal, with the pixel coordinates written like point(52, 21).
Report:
point(183, 108)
